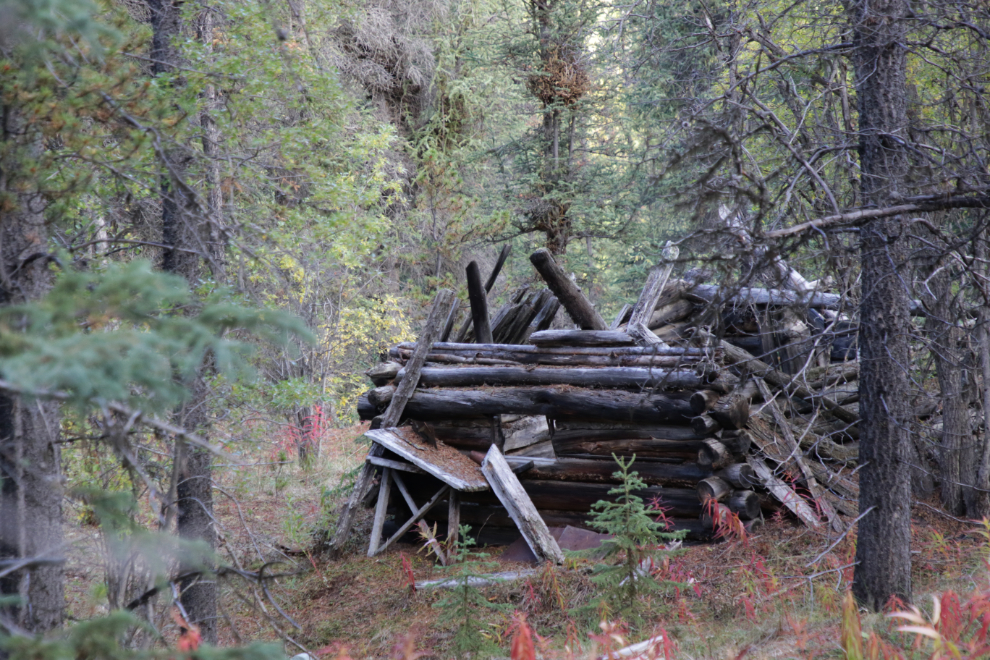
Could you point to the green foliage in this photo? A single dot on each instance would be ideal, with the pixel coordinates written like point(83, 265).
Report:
point(465, 605)
point(129, 335)
point(103, 639)
point(632, 552)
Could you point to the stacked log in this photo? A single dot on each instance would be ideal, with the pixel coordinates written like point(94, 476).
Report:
point(760, 419)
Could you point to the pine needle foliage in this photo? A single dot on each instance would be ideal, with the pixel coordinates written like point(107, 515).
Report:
point(629, 556)
point(466, 604)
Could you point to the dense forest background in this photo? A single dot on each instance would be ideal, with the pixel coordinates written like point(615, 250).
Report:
point(215, 216)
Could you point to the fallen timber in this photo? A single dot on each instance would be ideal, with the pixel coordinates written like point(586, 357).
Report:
point(558, 404)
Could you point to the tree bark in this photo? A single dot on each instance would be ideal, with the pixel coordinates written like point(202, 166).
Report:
point(883, 549)
point(30, 475)
point(186, 233)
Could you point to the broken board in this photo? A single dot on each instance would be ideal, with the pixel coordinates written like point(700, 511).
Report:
point(443, 462)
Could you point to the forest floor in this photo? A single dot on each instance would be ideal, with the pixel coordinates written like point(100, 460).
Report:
point(773, 594)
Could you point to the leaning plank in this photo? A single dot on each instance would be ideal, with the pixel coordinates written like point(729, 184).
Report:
point(784, 493)
point(431, 331)
point(445, 463)
point(510, 492)
point(603, 378)
point(381, 510)
point(567, 292)
point(638, 327)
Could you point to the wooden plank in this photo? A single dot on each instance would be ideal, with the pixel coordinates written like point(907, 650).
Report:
point(510, 492)
point(784, 493)
point(638, 327)
point(410, 502)
point(395, 465)
point(445, 463)
point(417, 516)
point(380, 511)
point(453, 518)
point(635, 378)
point(431, 331)
point(620, 317)
point(567, 292)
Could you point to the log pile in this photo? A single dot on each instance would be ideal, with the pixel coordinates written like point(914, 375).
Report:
point(758, 417)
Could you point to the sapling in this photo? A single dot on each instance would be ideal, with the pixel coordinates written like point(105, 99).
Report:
point(633, 549)
point(465, 604)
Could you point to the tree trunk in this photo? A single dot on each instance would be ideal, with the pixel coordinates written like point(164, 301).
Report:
point(957, 464)
point(883, 550)
point(30, 475)
point(183, 231)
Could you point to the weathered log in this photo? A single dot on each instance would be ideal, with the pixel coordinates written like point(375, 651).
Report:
point(621, 317)
point(510, 358)
point(745, 504)
point(381, 396)
point(479, 305)
point(713, 488)
point(636, 378)
point(492, 350)
point(567, 292)
point(543, 319)
point(578, 338)
point(382, 373)
point(784, 493)
point(744, 296)
point(604, 471)
point(642, 312)
point(713, 454)
point(640, 447)
point(557, 402)
point(503, 255)
point(671, 313)
point(365, 408)
point(704, 425)
point(702, 400)
point(572, 496)
point(740, 475)
point(738, 442)
point(448, 327)
point(603, 432)
point(732, 410)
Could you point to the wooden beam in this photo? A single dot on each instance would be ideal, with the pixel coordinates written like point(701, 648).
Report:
point(416, 517)
point(510, 492)
point(567, 292)
point(638, 327)
point(784, 493)
point(380, 512)
point(395, 465)
point(453, 519)
point(479, 305)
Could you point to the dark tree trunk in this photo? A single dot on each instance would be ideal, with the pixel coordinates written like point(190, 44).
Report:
point(883, 550)
point(187, 235)
point(30, 475)
point(957, 460)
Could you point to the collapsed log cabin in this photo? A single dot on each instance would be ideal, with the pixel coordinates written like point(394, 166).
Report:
point(755, 418)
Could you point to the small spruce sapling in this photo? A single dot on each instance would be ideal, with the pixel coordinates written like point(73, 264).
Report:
point(465, 604)
point(633, 549)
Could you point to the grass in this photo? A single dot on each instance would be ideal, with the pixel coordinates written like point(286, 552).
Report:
point(754, 598)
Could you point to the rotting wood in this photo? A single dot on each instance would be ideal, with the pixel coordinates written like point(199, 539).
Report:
point(732, 410)
point(784, 493)
point(395, 465)
point(582, 338)
point(703, 400)
point(620, 317)
point(515, 500)
point(745, 504)
point(638, 326)
point(795, 455)
point(557, 402)
point(381, 374)
point(704, 425)
point(475, 581)
point(713, 454)
point(381, 511)
point(381, 396)
point(578, 307)
point(416, 517)
point(478, 298)
point(602, 378)
point(453, 518)
point(740, 475)
point(449, 466)
point(713, 488)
